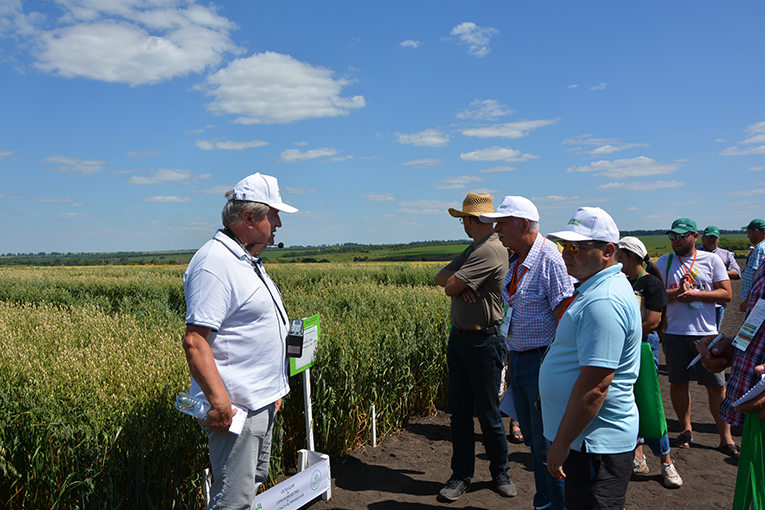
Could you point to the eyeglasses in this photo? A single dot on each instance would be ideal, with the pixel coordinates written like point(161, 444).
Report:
point(678, 237)
point(573, 248)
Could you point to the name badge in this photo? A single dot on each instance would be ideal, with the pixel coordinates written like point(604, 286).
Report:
point(506, 318)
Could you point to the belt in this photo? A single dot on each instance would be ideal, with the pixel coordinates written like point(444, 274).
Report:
point(470, 333)
point(531, 351)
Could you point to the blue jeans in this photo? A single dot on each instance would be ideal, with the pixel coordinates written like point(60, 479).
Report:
point(524, 380)
point(719, 312)
point(653, 339)
point(659, 447)
point(475, 368)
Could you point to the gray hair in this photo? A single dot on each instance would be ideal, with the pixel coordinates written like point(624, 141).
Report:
point(234, 209)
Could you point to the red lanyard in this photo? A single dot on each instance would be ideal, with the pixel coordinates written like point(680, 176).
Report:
point(570, 300)
point(513, 282)
point(682, 265)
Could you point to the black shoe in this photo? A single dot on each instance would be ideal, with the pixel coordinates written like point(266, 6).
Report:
point(505, 485)
point(453, 489)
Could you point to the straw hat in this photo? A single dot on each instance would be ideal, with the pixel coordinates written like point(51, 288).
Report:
point(475, 204)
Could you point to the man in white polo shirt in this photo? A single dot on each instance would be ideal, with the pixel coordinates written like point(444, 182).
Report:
point(235, 341)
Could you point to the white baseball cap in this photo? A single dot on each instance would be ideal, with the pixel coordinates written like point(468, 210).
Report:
point(517, 207)
point(634, 245)
point(589, 224)
point(263, 189)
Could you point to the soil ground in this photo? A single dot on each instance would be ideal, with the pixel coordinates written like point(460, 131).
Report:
point(407, 469)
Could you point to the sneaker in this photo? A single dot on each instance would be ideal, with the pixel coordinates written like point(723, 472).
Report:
point(639, 467)
point(505, 485)
point(671, 479)
point(453, 489)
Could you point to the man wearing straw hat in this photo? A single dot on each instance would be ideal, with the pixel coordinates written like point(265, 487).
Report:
point(235, 341)
point(476, 349)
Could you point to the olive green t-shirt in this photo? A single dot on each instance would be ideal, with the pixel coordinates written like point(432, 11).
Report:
point(482, 266)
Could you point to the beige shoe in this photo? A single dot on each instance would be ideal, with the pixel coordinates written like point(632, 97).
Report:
point(639, 467)
point(671, 479)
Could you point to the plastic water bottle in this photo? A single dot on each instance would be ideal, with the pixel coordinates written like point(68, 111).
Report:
point(192, 406)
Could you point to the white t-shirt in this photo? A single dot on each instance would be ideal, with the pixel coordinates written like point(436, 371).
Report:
point(249, 324)
point(697, 318)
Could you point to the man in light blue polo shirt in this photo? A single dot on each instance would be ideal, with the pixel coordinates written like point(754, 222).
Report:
point(586, 379)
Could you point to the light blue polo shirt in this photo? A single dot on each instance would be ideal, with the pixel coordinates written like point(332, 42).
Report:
point(601, 328)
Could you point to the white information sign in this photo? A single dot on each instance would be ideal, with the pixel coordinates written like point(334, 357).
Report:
point(299, 490)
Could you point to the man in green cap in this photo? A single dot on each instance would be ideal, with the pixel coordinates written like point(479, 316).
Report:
point(695, 281)
point(756, 233)
point(710, 241)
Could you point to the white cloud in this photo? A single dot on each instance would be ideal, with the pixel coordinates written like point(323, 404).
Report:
point(411, 44)
point(757, 132)
point(573, 86)
point(293, 155)
point(489, 109)
point(747, 193)
point(426, 138)
point(496, 169)
point(624, 168)
point(599, 86)
point(209, 145)
point(12, 196)
point(169, 199)
point(221, 189)
point(161, 176)
point(474, 37)
point(423, 163)
point(271, 88)
point(129, 42)
point(496, 153)
point(6, 153)
point(144, 154)
point(757, 168)
point(605, 145)
point(54, 200)
point(299, 190)
point(508, 130)
point(415, 207)
point(609, 149)
point(640, 186)
point(340, 159)
point(458, 182)
point(379, 197)
point(69, 165)
point(300, 144)
point(73, 215)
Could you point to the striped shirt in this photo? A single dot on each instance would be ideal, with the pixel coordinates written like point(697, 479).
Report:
point(540, 283)
point(755, 261)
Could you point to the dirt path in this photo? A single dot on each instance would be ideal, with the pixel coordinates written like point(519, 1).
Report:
point(407, 469)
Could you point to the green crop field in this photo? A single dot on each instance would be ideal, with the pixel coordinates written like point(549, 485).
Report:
point(92, 360)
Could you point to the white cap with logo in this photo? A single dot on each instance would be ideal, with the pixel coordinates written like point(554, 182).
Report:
point(517, 207)
point(263, 189)
point(589, 224)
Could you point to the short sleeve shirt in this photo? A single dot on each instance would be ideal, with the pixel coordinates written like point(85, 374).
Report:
point(482, 266)
point(247, 320)
point(541, 283)
point(601, 328)
point(698, 318)
point(651, 292)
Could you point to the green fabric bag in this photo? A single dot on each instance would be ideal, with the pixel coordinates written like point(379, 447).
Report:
point(653, 423)
point(750, 481)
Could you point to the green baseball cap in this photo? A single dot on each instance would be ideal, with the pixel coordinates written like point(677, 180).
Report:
point(712, 231)
point(755, 224)
point(683, 225)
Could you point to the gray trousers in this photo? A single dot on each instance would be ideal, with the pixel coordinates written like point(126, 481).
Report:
point(240, 462)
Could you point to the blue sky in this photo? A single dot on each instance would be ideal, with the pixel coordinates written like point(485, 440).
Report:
point(123, 122)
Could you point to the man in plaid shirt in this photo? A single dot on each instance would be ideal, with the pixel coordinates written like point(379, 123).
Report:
point(537, 289)
point(755, 231)
point(743, 374)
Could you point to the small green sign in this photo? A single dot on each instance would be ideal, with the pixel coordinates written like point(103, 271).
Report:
point(311, 336)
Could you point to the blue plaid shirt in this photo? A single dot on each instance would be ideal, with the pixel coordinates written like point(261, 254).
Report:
point(544, 284)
